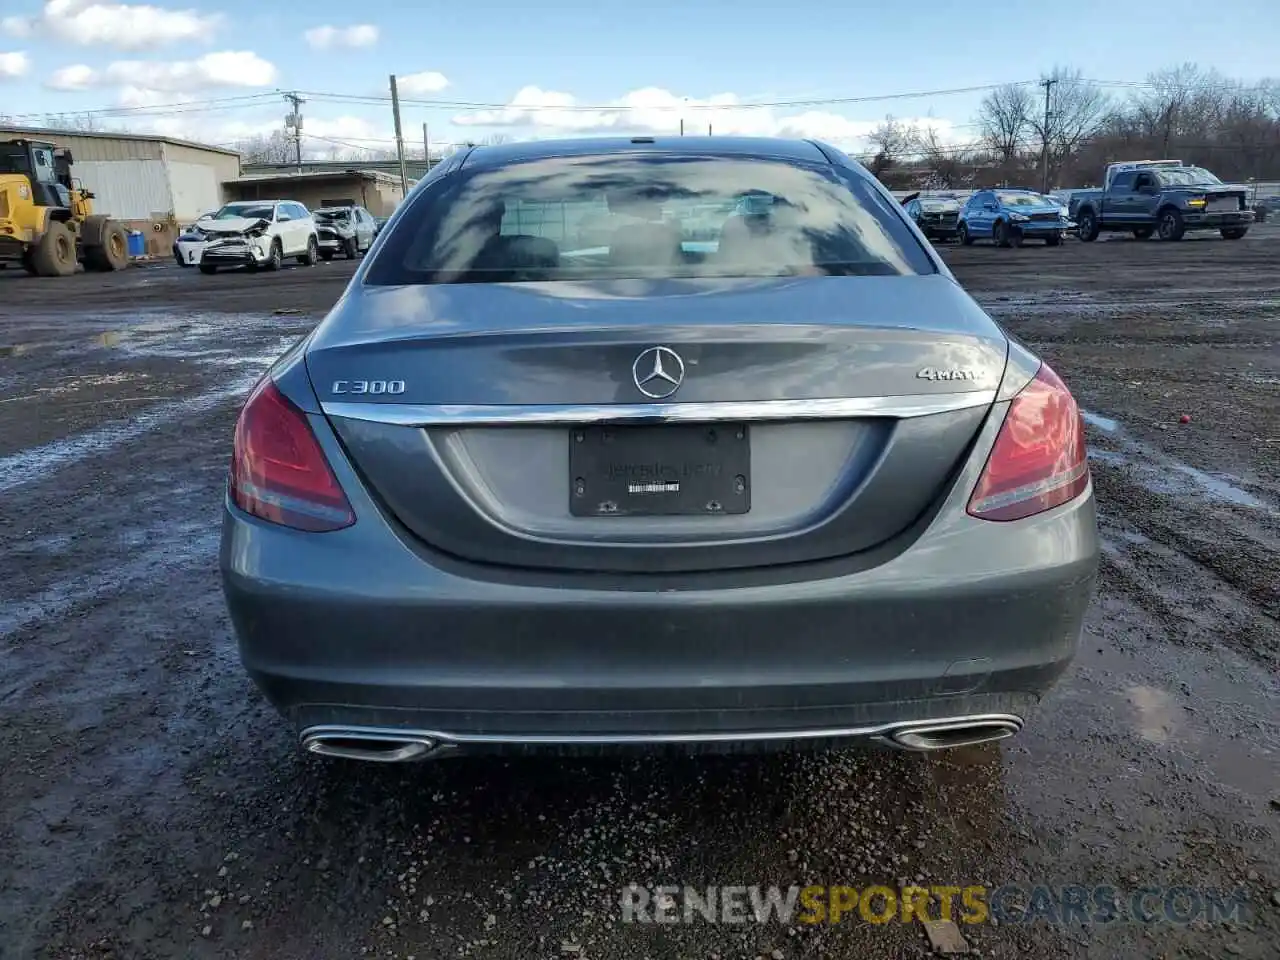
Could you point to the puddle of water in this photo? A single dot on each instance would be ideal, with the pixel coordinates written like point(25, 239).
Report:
point(1219, 488)
point(1208, 711)
point(1157, 713)
point(1102, 423)
point(34, 464)
point(1176, 479)
point(1115, 541)
point(73, 384)
point(1163, 474)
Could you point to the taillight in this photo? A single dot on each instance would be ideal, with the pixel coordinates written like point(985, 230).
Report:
point(279, 472)
point(1039, 460)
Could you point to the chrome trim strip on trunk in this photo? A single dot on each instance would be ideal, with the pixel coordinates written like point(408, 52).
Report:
point(445, 414)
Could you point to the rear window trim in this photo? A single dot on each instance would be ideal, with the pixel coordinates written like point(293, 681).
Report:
point(462, 168)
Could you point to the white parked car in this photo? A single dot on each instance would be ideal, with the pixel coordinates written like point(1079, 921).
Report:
point(186, 249)
point(254, 234)
point(346, 230)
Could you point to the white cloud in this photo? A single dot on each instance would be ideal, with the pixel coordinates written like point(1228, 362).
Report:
point(227, 68)
point(14, 65)
point(153, 83)
point(131, 97)
point(417, 84)
point(549, 113)
point(16, 26)
point(327, 37)
point(358, 130)
point(125, 26)
point(75, 77)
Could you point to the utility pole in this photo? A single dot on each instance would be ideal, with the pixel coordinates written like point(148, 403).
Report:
point(1047, 83)
point(426, 150)
point(395, 113)
point(294, 122)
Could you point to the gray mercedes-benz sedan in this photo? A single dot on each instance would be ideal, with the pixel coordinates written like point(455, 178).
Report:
point(655, 441)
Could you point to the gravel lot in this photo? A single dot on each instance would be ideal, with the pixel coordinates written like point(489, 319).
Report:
point(151, 805)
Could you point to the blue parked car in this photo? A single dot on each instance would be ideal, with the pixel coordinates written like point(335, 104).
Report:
point(1010, 216)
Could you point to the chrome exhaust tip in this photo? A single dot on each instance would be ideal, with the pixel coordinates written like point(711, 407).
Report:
point(947, 734)
point(372, 746)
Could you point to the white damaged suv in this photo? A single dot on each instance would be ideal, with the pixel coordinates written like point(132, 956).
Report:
point(257, 234)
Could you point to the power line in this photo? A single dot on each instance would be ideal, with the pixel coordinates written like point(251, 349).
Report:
point(218, 104)
point(362, 143)
point(185, 106)
point(340, 143)
point(372, 100)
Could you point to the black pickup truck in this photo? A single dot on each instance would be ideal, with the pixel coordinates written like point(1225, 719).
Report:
point(1165, 197)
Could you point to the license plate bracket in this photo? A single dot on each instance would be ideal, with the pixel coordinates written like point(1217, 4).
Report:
point(678, 469)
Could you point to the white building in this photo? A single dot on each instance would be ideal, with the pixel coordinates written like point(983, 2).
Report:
point(152, 184)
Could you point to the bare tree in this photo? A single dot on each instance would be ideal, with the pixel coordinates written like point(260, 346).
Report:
point(948, 165)
point(277, 147)
point(1004, 121)
point(1163, 110)
point(1076, 110)
point(891, 143)
point(73, 122)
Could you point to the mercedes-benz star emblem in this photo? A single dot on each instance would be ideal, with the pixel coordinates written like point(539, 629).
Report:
point(658, 372)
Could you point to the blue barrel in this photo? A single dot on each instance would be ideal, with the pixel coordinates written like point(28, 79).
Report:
point(137, 243)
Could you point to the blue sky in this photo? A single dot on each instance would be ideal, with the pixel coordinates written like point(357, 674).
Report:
point(537, 67)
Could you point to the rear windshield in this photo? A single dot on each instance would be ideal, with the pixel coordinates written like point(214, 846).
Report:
point(332, 216)
point(640, 216)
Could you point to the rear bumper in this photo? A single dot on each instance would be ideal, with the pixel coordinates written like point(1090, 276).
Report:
point(359, 629)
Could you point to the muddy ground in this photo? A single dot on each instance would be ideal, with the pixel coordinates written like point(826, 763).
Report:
point(152, 806)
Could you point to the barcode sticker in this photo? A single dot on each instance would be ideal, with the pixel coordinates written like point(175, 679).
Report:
point(672, 487)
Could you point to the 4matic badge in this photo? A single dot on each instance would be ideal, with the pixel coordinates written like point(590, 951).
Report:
point(932, 373)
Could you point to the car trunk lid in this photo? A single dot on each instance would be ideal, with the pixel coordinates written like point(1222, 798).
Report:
point(798, 419)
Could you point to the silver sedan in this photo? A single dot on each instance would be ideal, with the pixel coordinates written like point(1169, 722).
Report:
point(658, 441)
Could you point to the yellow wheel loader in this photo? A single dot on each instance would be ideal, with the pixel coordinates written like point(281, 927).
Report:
point(47, 221)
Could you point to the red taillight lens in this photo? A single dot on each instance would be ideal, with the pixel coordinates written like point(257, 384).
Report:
point(279, 472)
point(1039, 460)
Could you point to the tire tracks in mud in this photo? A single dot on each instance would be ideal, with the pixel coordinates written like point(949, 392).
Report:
point(1197, 598)
point(1198, 551)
